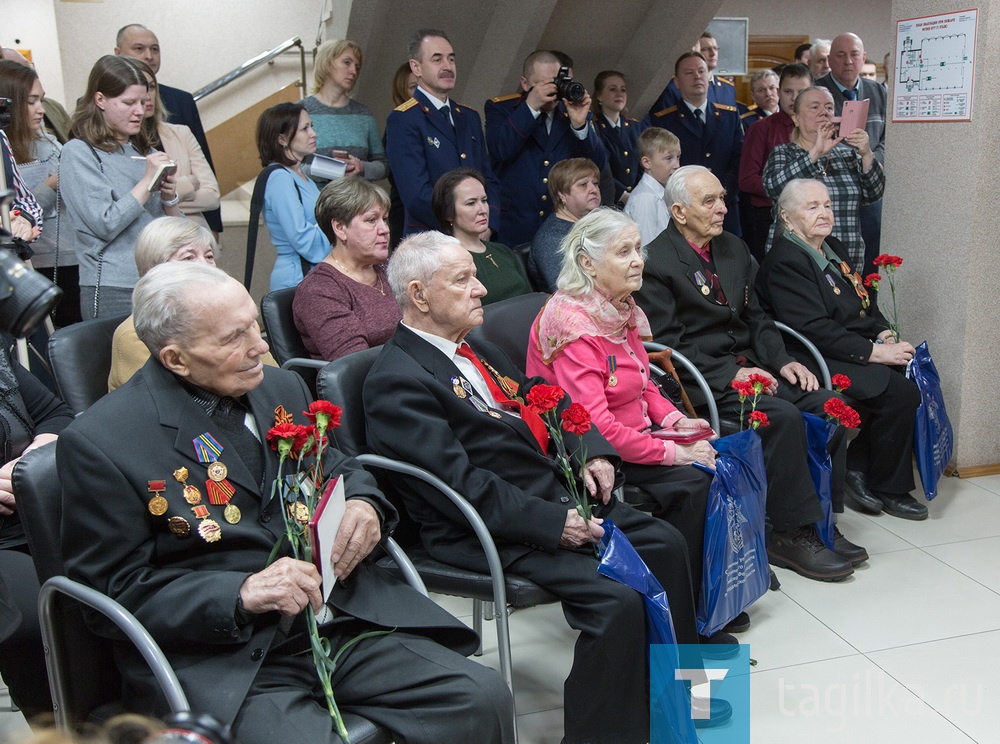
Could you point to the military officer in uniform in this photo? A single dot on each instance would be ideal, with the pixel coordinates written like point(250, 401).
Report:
point(720, 89)
point(528, 133)
point(764, 90)
point(429, 135)
point(710, 133)
point(619, 133)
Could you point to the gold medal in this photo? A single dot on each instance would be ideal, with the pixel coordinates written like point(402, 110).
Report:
point(495, 415)
point(179, 526)
point(705, 290)
point(181, 475)
point(210, 530)
point(612, 381)
point(192, 495)
point(459, 391)
point(217, 471)
point(232, 513)
point(299, 512)
point(836, 290)
point(157, 506)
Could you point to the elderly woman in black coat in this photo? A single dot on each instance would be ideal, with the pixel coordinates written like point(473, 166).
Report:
point(806, 281)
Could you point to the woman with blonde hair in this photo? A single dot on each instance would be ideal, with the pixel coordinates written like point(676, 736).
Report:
point(107, 182)
point(163, 240)
point(345, 129)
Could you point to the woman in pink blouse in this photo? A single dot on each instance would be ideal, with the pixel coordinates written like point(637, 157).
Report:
point(588, 339)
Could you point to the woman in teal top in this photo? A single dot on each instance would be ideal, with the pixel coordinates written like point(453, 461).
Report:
point(460, 205)
point(285, 136)
point(345, 129)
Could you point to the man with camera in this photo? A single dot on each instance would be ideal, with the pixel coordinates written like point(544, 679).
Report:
point(531, 131)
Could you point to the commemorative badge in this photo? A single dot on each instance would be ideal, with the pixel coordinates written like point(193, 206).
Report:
point(157, 505)
point(179, 526)
point(612, 368)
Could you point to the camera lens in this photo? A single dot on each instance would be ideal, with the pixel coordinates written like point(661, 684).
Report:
point(26, 296)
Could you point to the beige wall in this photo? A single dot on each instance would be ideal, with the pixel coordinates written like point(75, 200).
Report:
point(32, 25)
point(941, 216)
point(870, 19)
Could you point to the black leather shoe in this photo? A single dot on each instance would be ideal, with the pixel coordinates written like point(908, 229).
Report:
point(858, 496)
point(719, 646)
point(903, 506)
point(719, 711)
point(801, 550)
point(854, 554)
point(739, 624)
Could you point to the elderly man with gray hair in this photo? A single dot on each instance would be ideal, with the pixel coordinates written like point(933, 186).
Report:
point(199, 573)
point(697, 292)
point(458, 410)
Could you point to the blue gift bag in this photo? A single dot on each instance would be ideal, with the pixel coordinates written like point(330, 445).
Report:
point(735, 570)
point(670, 707)
point(818, 434)
point(933, 439)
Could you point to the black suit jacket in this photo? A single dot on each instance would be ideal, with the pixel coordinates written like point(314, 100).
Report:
point(796, 291)
point(710, 334)
point(413, 414)
point(184, 589)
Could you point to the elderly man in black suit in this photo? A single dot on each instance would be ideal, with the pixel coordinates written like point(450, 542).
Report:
point(435, 401)
point(697, 291)
point(196, 572)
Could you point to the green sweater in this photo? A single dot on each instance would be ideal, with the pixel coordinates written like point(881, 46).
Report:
point(352, 128)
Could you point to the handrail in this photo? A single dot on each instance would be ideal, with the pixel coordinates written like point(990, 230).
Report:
point(253, 63)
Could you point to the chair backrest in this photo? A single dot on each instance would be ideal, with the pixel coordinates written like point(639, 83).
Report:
point(80, 355)
point(507, 324)
point(341, 382)
point(90, 672)
point(282, 335)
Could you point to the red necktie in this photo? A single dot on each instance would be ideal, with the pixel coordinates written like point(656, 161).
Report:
point(532, 419)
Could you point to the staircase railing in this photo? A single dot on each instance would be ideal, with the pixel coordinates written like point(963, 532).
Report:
point(251, 64)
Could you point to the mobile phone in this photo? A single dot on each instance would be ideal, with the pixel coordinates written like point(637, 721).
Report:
point(165, 169)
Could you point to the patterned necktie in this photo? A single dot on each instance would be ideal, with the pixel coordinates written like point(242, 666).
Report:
point(230, 416)
point(532, 419)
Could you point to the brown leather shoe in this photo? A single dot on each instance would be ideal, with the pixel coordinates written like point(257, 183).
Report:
point(854, 554)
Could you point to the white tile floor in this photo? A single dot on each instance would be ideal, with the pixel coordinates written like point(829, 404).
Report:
point(906, 650)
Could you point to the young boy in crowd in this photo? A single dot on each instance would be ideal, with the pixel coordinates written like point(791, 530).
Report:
point(659, 155)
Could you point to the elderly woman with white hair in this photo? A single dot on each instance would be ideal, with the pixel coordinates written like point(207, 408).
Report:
point(807, 281)
point(588, 340)
point(161, 241)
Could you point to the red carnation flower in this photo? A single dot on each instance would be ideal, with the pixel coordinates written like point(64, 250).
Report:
point(324, 408)
point(872, 280)
point(888, 260)
point(757, 379)
point(841, 413)
point(575, 419)
point(288, 439)
point(543, 398)
point(743, 387)
point(841, 382)
point(757, 419)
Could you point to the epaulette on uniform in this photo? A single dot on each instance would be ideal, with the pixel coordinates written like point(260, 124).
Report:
point(726, 80)
point(407, 104)
point(725, 107)
point(666, 111)
point(500, 99)
point(462, 105)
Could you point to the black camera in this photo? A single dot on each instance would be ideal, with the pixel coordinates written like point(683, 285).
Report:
point(26, 296)
point(192, 728)
point(567, 88)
